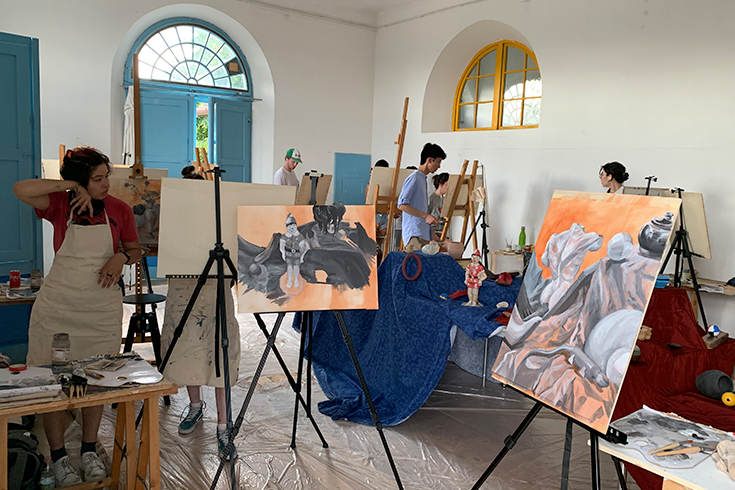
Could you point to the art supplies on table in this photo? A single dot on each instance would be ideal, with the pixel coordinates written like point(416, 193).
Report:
point(668, 440)
point(123, 371)
point(30, 385)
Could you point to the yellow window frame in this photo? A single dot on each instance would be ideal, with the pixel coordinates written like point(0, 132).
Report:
point(501, 48)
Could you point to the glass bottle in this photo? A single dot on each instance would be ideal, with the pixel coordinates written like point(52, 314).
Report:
point(61, 352)
point(522, 238)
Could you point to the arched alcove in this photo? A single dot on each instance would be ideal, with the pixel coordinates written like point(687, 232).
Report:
point(262, 80)
point(451, 63)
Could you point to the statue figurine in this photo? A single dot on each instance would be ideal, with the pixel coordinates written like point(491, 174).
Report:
point(473, 278)
point(293, 246)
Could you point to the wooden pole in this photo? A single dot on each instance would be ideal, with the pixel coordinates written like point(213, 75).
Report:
point(453, 203)
point(393, 205)
point(137, 171)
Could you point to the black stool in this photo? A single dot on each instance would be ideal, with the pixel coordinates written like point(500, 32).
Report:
point(145, 322)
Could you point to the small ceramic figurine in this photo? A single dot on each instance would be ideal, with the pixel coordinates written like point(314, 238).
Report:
point(293, 246)
point(473, 278)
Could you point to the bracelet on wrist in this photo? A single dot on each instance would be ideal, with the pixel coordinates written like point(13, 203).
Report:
point(127, 257)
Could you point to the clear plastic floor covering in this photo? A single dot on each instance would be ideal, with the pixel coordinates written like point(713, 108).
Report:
point(447, 444)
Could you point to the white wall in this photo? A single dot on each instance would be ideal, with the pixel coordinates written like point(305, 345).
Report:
point(644, 82)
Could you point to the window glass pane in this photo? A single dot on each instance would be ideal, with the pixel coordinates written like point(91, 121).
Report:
point(485, 115)
point(226, 53)
point(531, 111)
point(468, 91)
point(473, 71)
point(530, 63)
point(200, 35)
point(516, 59)
point(486, 90)
point(487, 63)
point(513, 85)
point(163, 66)
point(222, 82)
point(512, 112)
point(220, 72)
point(466, 116)
point(206, 80)
point(169, 57)
point(195, 69)
point(186, 33)
point(170, 36)
point(214, 63)
point(214, 43)
point(206, 57)
point(157, 44)
point(533, 83)
point(177, 76)
point(197, 53)
point(148, 55)
point(159, 75)
point(188, 51)
point(178, 51)
point(238, 81)
point(144, 70)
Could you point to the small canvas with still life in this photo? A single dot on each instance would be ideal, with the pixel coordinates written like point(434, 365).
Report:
point(306, 258)
point(582, 301)
point(144, 196)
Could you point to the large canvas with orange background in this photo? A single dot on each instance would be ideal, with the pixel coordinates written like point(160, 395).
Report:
point(576, 320)
point(336, 253)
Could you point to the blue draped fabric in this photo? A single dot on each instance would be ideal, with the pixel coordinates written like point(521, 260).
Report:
point(403, 347)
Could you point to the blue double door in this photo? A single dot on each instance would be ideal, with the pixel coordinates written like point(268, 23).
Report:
point(168, 128)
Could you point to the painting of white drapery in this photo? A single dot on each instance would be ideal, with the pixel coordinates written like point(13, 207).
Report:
point(584, 294)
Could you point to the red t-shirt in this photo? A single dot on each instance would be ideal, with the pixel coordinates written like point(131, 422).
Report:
point(120, 214)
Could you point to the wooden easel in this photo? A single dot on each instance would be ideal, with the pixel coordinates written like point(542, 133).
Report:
point(388, 203)
point(468, 207)
point(202, 163)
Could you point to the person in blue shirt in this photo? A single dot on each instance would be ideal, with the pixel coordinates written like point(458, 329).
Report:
point(413, 201)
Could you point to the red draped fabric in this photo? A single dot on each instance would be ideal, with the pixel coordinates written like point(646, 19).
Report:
point(664, 377)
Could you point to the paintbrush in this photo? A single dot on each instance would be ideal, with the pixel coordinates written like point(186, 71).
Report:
point(670, 446)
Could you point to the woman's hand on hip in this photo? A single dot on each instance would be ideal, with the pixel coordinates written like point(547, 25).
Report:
point(110, 272)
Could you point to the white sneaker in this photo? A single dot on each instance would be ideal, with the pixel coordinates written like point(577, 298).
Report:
point(94, 468)
point(64, 474)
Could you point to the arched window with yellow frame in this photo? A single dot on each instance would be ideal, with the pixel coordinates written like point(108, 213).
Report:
point(499, 89)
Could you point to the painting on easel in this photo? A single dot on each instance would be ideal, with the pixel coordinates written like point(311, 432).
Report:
point(582, 301)
point(144, 196)
point(306, 258)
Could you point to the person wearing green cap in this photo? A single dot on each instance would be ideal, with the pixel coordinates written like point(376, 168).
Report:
point(286, 175)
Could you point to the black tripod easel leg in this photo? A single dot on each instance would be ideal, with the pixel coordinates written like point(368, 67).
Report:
point(302, 347)
point(374, 414)
point(248, 397)
point(291, 381)
point(509, 442)
point(595, 460)
point(567, 455)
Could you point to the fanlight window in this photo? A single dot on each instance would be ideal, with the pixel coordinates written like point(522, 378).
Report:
point(501, 88)
point(191, 55)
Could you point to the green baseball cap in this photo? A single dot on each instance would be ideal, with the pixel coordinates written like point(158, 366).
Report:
point(294, 155)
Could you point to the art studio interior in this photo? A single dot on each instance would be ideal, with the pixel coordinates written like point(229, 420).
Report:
point(366, 244)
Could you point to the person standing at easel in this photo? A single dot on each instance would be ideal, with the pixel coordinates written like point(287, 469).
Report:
point(80, 296)
point(413, 201)
point(286, 175)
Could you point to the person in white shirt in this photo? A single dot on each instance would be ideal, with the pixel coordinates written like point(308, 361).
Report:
point(612, 176)
point(286, 175)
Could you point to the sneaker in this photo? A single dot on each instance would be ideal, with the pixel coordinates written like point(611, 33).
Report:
point(222, 439)
point(191, 420)
point(94, 468)
point(64, 474)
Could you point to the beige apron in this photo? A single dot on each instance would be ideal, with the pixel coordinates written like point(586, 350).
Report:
point(192, 360)
point(71, 301)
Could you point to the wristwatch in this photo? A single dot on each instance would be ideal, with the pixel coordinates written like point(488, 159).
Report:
point(127, 256)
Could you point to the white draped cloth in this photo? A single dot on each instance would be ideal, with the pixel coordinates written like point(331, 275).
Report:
point(129, 129)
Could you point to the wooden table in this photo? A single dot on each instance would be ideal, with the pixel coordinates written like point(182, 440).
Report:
point(704, 476)
point(144, 461)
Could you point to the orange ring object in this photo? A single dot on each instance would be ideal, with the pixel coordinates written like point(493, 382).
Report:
point(418, 265)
